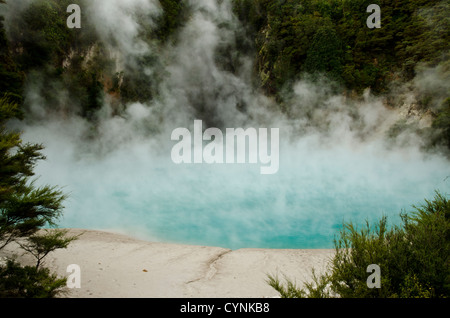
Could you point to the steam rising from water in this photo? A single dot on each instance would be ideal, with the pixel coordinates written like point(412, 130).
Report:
point(335, 163)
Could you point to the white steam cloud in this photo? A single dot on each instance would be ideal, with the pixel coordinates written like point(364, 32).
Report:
point(116, 22)
point(335, 162)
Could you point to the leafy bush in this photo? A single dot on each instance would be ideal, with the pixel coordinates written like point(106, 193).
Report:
point(413, 258)
point(29, 282)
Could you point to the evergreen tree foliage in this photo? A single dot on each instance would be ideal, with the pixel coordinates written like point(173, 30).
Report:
point(411, 32)
point(325, 54)
point(172, 18)
point(24, 207)
point(29, 282)
point(11, 79)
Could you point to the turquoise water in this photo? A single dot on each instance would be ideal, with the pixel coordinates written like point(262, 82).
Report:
point(302, 206)
point(125, 180)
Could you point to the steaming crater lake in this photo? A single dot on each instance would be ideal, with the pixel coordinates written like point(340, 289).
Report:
point(233, 206)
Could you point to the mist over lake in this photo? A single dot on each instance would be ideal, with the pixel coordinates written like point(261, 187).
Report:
point(341, 158)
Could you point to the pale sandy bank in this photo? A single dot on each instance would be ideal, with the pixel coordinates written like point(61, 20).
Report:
point(114, 265)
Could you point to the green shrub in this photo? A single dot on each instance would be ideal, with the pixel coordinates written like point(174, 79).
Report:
point(29, 281)
point(413, 258)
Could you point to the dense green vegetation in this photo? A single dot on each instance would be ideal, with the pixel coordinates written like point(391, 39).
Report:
point(291, 37)
point(331, 36)
point(11, 78)
point(414, 259)
point(171, 20)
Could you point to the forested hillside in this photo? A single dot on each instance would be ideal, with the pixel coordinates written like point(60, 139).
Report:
point(287, 41)
point(332, 36)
